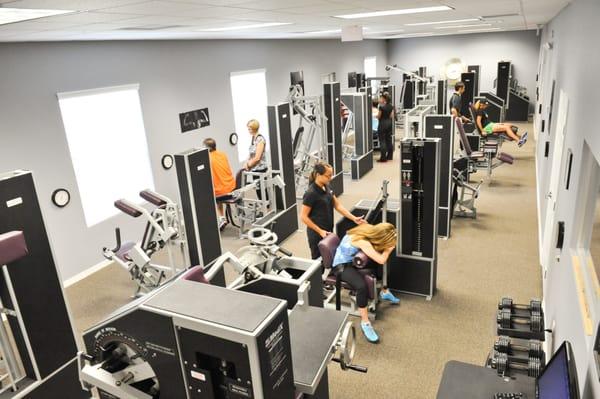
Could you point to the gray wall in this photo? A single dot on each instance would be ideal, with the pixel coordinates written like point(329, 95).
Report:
point(174, 76)
point(484, 49)
point(574, 64)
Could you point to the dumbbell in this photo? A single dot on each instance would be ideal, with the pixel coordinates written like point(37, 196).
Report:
point(506, 319)
point(534, 348)
point(507, 303)
point(503, 363)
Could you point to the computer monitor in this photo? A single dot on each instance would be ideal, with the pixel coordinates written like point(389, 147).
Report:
point(559, 378)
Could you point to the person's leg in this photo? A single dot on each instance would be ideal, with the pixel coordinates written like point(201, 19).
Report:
point(390, 146)
point(313, 243)
point(357, 282)
point(382, 147)
point(220, 209)
point(504, 128)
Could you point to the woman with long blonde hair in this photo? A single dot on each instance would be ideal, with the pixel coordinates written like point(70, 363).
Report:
point(377, 242)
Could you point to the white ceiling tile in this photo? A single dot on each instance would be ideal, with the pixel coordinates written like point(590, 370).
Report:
point(81, 5)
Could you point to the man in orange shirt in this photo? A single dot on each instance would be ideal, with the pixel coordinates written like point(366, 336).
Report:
point(223, 180)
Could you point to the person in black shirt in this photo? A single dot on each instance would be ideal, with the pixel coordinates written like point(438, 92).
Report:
point(318, 204)
point(456, 102)
point(486, 127)
point(385, 130)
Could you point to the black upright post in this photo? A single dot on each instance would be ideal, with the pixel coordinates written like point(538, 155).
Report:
point(198, 206)
point(468, 78)
point(503, 79)
point(476, 70)
point(369, 91)
point(46, 343)
point(442, 96)
point(331, 98)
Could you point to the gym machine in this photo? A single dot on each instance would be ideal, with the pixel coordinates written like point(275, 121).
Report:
point(476, 70)
point(414, 120)
point(468, 78)
point(368, 90)
point(464, 193)
point(441, 126)
point(198, 206)
point(37, 339)
point(521, 321)
point(417, 217)
point(495, 108)
point(508, 89)
point(409, 86)
point(192, 339)
point(442, 97)
point(359, 144)
point(332, 110)
point(164, 228)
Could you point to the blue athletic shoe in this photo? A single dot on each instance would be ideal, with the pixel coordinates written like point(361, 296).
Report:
point(369, 332)
point(388, 296)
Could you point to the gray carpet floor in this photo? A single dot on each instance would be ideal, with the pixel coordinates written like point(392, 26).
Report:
point(485, 259)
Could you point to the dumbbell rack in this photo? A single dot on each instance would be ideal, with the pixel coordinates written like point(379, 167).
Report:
point(518, 349)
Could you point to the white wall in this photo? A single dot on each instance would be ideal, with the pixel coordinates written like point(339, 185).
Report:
point(574, 64)
point(484, 49)
point(174, 76)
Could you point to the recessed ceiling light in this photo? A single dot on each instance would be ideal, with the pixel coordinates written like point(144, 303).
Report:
point(240, 27)
point(462, 26)
point(443, 22)
point(479, 30)
point(11, 15)
point(394, 12)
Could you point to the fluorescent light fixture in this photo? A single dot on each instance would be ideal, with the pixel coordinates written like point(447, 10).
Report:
point(321, 32)
point(379, 32)
point(11, 15)
point(479, 30)
point(410, 35)
point(443, 22)
point(462, 26)
point(394, 12)
point(240, 27)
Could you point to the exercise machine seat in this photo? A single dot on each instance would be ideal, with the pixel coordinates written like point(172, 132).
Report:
point(327, 248)
point(12, 247)
point(195, 274)
point(124, 250)
point(152, 198)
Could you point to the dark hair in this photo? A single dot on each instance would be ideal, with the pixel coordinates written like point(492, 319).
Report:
point(386, 96)
point(458, 85)
point(211, 144)
point(319, 169)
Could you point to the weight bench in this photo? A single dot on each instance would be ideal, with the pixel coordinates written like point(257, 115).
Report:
point(334, 283)
point(490, 158)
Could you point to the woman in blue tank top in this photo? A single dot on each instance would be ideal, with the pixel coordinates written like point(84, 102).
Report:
point(377, 242)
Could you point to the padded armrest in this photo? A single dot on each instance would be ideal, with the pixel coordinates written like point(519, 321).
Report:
point(195, 274)
point(152, 198)
point(123, 206)
point(360, 260)
point(12, 247)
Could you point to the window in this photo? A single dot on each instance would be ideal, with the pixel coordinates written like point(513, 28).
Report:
point(249, 95)
point(107, 141)
point(371, 71)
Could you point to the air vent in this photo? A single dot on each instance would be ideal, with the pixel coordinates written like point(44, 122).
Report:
point(500, 15)
point(152, 27)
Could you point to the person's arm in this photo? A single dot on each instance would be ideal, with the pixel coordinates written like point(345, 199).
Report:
point(260, 148)
point(379, 113)
point(479, 118)
point(367, 248)
point(304, 212)
point(337, 205)
point(454, 111)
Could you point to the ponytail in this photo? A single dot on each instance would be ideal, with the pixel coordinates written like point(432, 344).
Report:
point(319, 169)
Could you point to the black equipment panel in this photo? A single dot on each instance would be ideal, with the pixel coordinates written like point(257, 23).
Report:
point(280, 137)
point(503, 79)
point(408, 95)
point(198, 206)
point(155, 343)
point(36, 283)
point(369, 91)
point(331, 97)
point(468, 78)
point(442, 95)
point(64, 384)
point(476, 70)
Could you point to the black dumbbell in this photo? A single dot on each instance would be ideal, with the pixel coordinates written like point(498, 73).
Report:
point(535, 305)
point(534, 348)
point(503, 363)
point(506, 319)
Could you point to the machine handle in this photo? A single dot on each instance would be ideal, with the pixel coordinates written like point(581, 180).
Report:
point(118, 237)
point(355, 367)
point(285, 251)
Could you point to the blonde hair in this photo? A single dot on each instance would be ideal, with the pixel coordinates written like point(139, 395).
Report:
point(253, 124)
point(381, 235)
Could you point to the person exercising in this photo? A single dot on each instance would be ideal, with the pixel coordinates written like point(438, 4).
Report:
point(222, 177)
point(385, 129)
point(377, 242)
point(486, 127)
point(456, 102)
point(318, 204)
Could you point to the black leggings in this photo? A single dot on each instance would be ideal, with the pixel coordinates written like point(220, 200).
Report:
point(386, 145)
point(352, 276)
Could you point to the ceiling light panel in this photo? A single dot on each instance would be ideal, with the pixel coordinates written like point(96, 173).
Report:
point(462, 26)
point(375, 14)
point(443, 22)
point(479, 30)
point(12, 15)
point(244, 27)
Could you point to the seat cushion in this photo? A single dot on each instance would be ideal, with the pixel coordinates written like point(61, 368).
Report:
point(506, 158)
point(327, 247)
point(12, 247)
